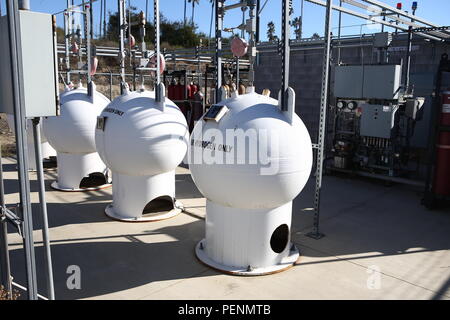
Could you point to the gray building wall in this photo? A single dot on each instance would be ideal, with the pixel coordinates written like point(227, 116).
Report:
point(306, 76)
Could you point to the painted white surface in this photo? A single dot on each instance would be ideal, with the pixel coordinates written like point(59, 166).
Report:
point(243, 185)
point(246, 201)
point(74, 130)
point(72, 168)
point(72, 134)
point(132, 193)
point(142, 143)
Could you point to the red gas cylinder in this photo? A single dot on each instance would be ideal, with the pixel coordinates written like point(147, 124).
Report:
point(193, 91)
point(442, 175)
point(179, 90)
point(171, 91)
point(188, 92)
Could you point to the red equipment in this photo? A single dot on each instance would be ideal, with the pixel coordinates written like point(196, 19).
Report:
point(442, 173)
point(192, 91)
point(171, 91)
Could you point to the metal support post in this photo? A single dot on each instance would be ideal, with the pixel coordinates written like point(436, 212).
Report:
point(43, 205)
point(67, 34)
point(88, 34)
point(5, 266)
point(21, 146)
point(219, 25)
point(159, 94)
point(122, 27)
point(315, 234)
point(285, 53)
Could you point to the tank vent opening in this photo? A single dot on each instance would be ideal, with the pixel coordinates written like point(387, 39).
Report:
point(158, 206)
point(280, 238)
point(50, 163)
point(94, 179)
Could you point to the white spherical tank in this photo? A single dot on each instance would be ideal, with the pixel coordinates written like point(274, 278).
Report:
point(142, 141)
point(46, 148)
point(72, 134)
point(250, 160)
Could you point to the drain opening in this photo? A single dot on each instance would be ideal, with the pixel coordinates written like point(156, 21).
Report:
point(158, 206)
point(280, 238)
point(95, 179)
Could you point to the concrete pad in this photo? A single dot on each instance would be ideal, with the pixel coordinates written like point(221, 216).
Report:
point(380, 243)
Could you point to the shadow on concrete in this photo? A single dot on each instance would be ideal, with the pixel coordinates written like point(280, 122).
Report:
point(360, 215)
point(186, 188)
point(113, 264)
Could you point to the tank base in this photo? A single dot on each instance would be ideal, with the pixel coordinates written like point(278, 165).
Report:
point(109, 211)
point(288, 262)
point(55, 186)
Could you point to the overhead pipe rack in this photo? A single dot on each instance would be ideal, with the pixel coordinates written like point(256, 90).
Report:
point(443, 37)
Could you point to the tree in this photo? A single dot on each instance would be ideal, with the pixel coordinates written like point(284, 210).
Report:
point(175, 33)
point(271, 32)
point(297, 24)
point(194, 2)
point(315, 36)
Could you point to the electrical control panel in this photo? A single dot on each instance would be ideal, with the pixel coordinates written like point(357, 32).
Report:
point(377, 120)
point(38, 64)
point(367, 82)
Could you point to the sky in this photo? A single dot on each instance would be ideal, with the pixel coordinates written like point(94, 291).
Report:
point(436, 11)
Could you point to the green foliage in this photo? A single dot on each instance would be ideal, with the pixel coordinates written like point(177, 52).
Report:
point(175, 33)
point(271, 32)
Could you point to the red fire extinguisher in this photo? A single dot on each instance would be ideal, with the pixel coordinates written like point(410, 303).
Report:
point(442, 173)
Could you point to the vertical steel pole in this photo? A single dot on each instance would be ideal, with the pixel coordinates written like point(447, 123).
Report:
point(322, 121)
point(67, 33)
point(408, 54)
point(219, 25)
point(122, 26)
point(258, 7)
point(110, 84)
point(21, 146)
point(159, 95)
point(101, 19)
point(408, 59)
point(252, 44)
point(104, 18)
point(91, 18)
point(301, 20)
point(5, 266)
point(339, 33)
point(88, 33)
point(43, 203)
point(285, 53)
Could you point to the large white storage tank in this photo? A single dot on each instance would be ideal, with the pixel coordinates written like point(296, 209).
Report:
point(46, 148)
point(142, 141)
point(250, 160)
point(72, 134)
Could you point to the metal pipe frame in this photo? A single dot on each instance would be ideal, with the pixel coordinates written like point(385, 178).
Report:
point(88, 34)
point(67, 35)
point(43, 207)
point(397, 18)
point(218, 50)
point(315, 234)
point(285, 52)
point(21, 146)
point(159, 94)
point(367, 17)
point(122, 27)
point(399, 12)
point(5, 265)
